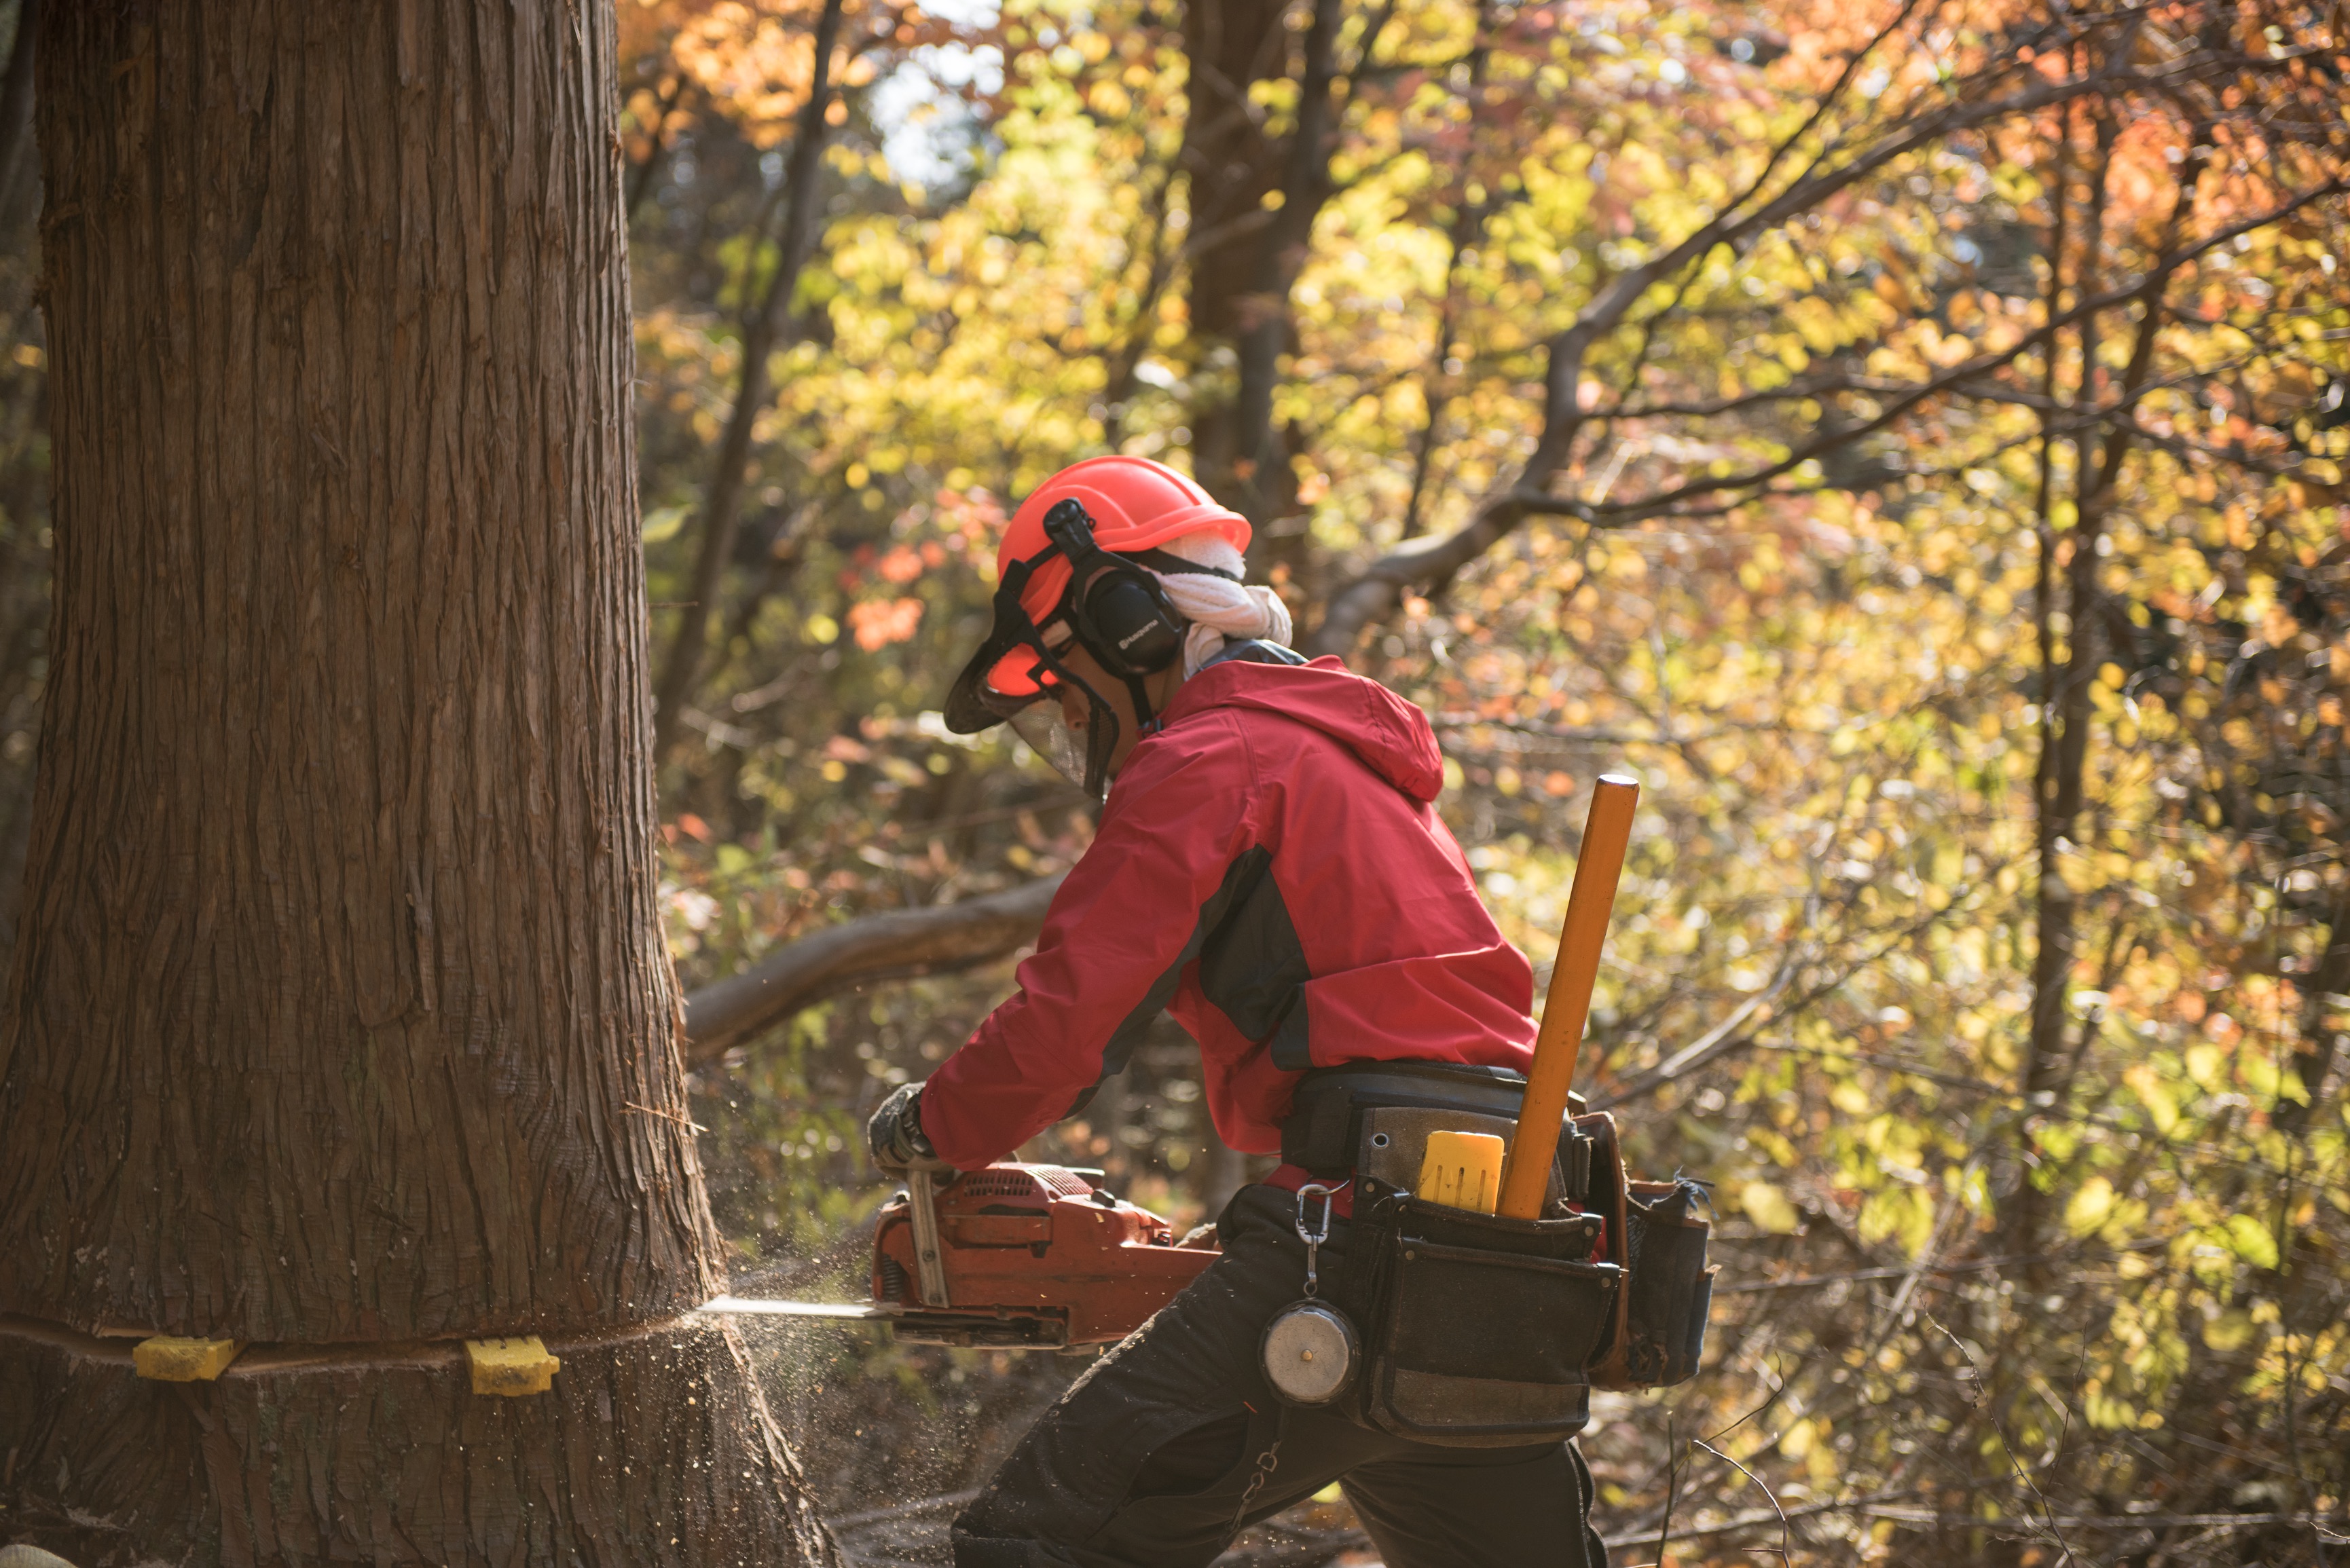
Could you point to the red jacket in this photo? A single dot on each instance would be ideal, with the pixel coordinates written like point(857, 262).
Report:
point(1269, 871)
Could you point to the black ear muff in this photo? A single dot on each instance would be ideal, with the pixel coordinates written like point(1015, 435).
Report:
point(1129, 624)
point(1118, 609)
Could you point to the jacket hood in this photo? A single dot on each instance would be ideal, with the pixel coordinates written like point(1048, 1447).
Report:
point(1391, 735)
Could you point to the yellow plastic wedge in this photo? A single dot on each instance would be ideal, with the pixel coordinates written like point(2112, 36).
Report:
point(512, 1367)
point(1462, 1170)
point(168, 1358)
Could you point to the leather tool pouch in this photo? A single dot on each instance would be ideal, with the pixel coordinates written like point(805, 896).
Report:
point(1485, 1331)
point(1657, 1232)
point(1482, 1328)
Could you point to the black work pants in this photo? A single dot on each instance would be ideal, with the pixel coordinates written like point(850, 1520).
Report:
point(1172, 1441)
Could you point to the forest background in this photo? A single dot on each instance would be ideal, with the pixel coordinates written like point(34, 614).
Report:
point(1910, 438)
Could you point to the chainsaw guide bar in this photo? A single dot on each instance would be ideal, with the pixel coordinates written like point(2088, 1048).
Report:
point(760, 1306)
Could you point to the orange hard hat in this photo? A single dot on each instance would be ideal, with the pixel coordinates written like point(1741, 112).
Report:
point(1135, 503)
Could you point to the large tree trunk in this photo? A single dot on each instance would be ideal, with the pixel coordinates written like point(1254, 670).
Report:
point(341, 1024)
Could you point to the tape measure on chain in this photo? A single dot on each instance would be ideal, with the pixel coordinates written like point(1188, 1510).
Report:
point(1310, 1351)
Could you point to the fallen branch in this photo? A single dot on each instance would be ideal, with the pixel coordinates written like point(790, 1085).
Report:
point(1973, 1266)
point(1773, 1515)
point(887, 946)
point(1915, 1517)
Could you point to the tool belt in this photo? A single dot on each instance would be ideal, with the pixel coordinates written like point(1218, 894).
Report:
point(1486, 1332)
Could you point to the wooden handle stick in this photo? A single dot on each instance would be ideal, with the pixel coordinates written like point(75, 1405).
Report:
point(1606, 834)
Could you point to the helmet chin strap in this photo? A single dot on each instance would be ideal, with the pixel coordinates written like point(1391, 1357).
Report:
point(1146, 717)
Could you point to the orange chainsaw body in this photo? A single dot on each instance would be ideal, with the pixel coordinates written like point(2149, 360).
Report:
point(1034, 1255)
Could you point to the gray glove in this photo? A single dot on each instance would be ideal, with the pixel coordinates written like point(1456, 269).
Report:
point(895, 1133)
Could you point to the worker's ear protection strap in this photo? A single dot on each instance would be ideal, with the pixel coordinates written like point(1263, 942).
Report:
point(1117, 609)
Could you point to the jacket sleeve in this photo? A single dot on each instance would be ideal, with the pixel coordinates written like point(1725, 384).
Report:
point(1133, 913)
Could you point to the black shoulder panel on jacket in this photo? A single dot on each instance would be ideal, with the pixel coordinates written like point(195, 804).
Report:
point(1245, 883)
point(1253, 968)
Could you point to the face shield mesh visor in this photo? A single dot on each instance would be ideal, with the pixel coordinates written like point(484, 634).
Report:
point(1018, 676)
point(1082, 755)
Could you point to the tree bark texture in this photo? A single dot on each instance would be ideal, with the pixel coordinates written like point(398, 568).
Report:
point(342, 1018)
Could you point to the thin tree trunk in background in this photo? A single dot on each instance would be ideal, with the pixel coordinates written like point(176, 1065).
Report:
point(2015, 1171)
point(1222, 1170)
point(1231, 167)
point(17, 151)
point(1263, 482)
point(342, 1025)
point(640, 179)
point(23, 555)
point(2066, 713)
point(1240, 285)
point(722, 506)
point(1467, 227)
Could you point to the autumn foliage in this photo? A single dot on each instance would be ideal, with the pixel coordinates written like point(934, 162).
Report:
point(1911, 436)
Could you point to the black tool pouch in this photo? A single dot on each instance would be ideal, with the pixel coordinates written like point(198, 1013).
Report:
point(1656, 1232)
point(1670, 1289)
point(1483, 1328)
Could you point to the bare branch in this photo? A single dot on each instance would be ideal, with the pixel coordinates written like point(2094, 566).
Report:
point(1374, 593)
point(874, 946)
point(1381, 584)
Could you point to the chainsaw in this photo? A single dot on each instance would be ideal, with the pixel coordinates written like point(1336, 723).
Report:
point(1026, 1257)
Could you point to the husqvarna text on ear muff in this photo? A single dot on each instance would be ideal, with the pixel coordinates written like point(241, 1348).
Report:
point(1118, 609)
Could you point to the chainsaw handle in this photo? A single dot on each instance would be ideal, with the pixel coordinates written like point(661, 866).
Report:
point(923, 1209)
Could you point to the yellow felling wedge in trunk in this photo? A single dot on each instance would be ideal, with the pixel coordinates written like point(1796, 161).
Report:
point(512, 1367)
point(168, 1358)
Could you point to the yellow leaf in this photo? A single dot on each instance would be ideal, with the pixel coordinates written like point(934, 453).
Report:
point(663, 522)
point(1768, 1208)
point(2089, 1207)
point(2229, 1331)
point(2250, 1239)
point(2161, 1106)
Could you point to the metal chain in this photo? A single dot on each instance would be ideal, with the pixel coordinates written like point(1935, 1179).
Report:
point(1266, 1463)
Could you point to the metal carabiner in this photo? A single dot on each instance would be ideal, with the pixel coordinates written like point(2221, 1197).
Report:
point(1314, 1238)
